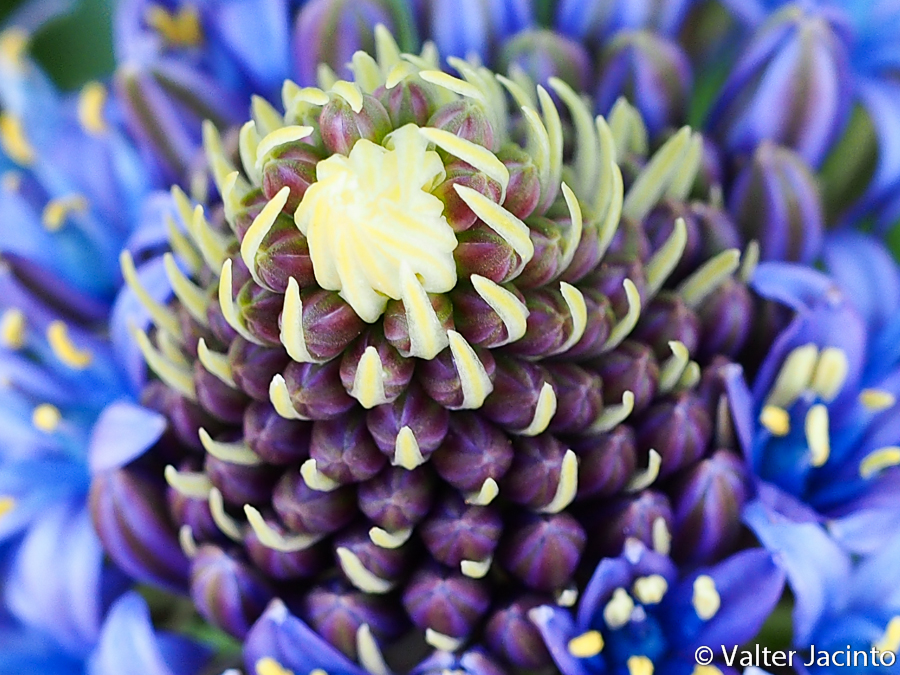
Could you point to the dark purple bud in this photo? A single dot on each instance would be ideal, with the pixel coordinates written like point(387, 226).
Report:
point(550, 324)
point(629, 243)
point(510, 634)
point(547, 263)
point(543, 551)
point(660, 224)
point(536, 471)
point(193, 512)
point(480, 250)
point(440, 379)
point(678, 428)
point(664, 319)
point(517, 391)
point(275, 439)
point(600, 320)
point(185, 417)
point(406, 103)
point(254, 366)
point(652, 72)
point(629, 367)
point(524, 189)
point(476, 320)
point(473, 451)
point(309, 511)
point(354, 547)
point(775, 200)
point(316, 390)
point(227, 592)
point(329, 323)
point(130, 515)
point(427, 421)
point(292, 165)
point(260, 310)
point(341, 126)
point(249, 207)
point(285, 565)
point(396, 370)
point(191, 332)
point(458, 214)
point(283, 254)
point(220, 400)
point(718, 232)
point(579, 397)
point(396, 328)
point(543, 54)
point(586, 257)
point(609, 278)
point(445, 601)
point(239, 483)
point(645, 517)
point(456, 531)
point(605, 463)
point(397, 498)
point(218, 326)
point(726, 319)
point(344, 451)
point(337, 611)
point(708, 500)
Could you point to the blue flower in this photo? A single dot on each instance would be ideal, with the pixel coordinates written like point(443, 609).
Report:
point(640, 614)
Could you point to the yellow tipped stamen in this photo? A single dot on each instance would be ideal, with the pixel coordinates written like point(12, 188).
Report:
point(64, 350)
point(877, 400)
point(366, 72)
point(268, 120)
point(406, 450)
point(587, 158)
point(617, 611)
point(427, 337)
point(613, 415)
point(567, 487)
point(441, 79)
point(13, 139)
point(46, 417)
point(359, 576)
point(277, 138)
point(645, 478)
point(58, 210)
point(223, 521)
point(442, 642)
point(776, 420)
point(712, 274)
point(233, 453)
point(501, 221)
point(12, 328)
point(229, 309)
point(269, 666)
point(195, 485)
point(673, 368)
point(212, 245)
point(488, 492)
point(795, 376)
point(543, 411)
point(273, 539)
point(261, 227)
point(350, 92)
point(578, 311)
point(315, 479)
point(192, 297)
point(384, 539)
point(567, 597)
point(650, 590)
point(664, 261)
point(91, 102)
point(476, 569)
point(505, 304)
point(474, 381)
point(627, 323)
point(292, 335)
point(586, 645)
point(879, 460)
point(706, 598)
point(368, 383)
point(216, 363)
point(181, 28)
point(890, 641)
point(180, 378)
point(830, 373)
point(369, 653)
point(281, 399)
point(662, 538)
point(162, 316)
point(658, 174)
point(478, 156)
point(7, 504)
point(816, 427)
point(639, 665)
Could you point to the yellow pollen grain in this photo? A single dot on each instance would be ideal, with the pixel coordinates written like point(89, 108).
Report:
point(269, 666)
point(776, 420)
point(816, 428)
point(46, 417)
point(876, 400)
point(639, 665)
point(181, 28)
point(64, 350)
point(12, 329)
point(651, 589)
point(705, 598)
point(586, 645)
point(91, 102)
point(890, 641)
point(618, 610)
point(13, 139)
point(7, 504)
point(705, 670)
point(13, 43)
point(879, 460)
point(57, 210)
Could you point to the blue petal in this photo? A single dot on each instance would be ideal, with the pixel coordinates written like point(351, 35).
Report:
point(123, 432)
point(557, 628)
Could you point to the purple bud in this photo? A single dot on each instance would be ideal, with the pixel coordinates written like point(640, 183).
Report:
point(275, 439)
point(254, 366)
point(292, 165)
point(718, 232)
point(473, 451)
point(509, 633)
point(579, 397)
point(227, 592)
point(343, 449)
point(440, 379)
point(536, 471)
point(220, 400)
point(285, 565)
point(476, 320)
point(130, 515)
point(337, 611)
point(458, 214)
point(284, 253)
point(548, 238)
point(389, 564)
point(192, 512)
point(726, 319)
point(629, 367)
point(543, 54)
point(241, 484)
point(185, 417)
point(456, 531)
point(482, 251)
point(316, 390)
point(414, 410)
point(775, 200)
point(666, 318)
point(678, 428)
point(600, 320)
point(605, 463)
point(445, 601)
point(396, 328)
point(549, 325)
point(517, 389)
point(659, 225)
point(406, 103)
point(260, 310)
point(397, 499)
point(646, 517)
point(309, 511)
point(341, 127)
point(250, 206)
point(329, 323)
point(396, 370)
point(543, 551)
point(708, 500)
point(524, 189)
point(609, 278)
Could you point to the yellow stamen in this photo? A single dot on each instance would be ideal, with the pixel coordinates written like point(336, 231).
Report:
point(13, 140)
point(269, 666)
point(816, 427)
point(651, 589)
point(890, 641)
point(91, 102)
point(795, 376)
point(181, 28)
point(12, 329)
point(662, 538)
point(876, 400)
point(618, 610)
point(7, 504)
point(879, 460)
point(586, 645)
point(64, 350)
point(706, 670)
point(46, 417)
point(706, 598)
point(57, 210)
point(776, 420)
point(639, 665)
point(830, 373)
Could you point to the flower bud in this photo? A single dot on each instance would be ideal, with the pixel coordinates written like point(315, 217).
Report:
point(455, 531)
point(397, 499)
point(343, 449)
point(708, 501)
point(292, 165)
point(629, 367)
point(536, 471)
point(542, 54)
point(406, 103)
point(440, 379)
point(445, 601)
point(579, 397)
point(223, 402)
point(542, 551)
point(396, 328)
point(239, 483)
point(396, 370)
point(260, 310)
point(667, 318)
point(678, 428)
point(473, 451)
point(476, 320)
point(184, 416)
point(218, 326)
point(775, 200)
point(130, 515)
point(726, 319)
point(275, 439)
point(600, 320)
point(467, 119)
point(509, 633)
point(517, 391)
point(387, 564)
point(549, 325)
point(609, 278)
point(605, 463)
point(329, 323)
point(191, 511)
point(659, 225)
point(285, 565)
point(646, 517)
point(480, 250)
point(523, 192)
point(309, 511)
point(227, 592)
point(458, 214)
point(316, 390)
point(415, 411)
point(548, 238)
point(341, 127)
point(254, 366)
point(283, 254)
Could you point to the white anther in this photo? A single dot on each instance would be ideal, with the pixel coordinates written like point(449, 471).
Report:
point(567, 487)
point(406, 450)
point(645, 478)
point(233, 453)
point(358, 575)
point(315, 479)
point(271, 538)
